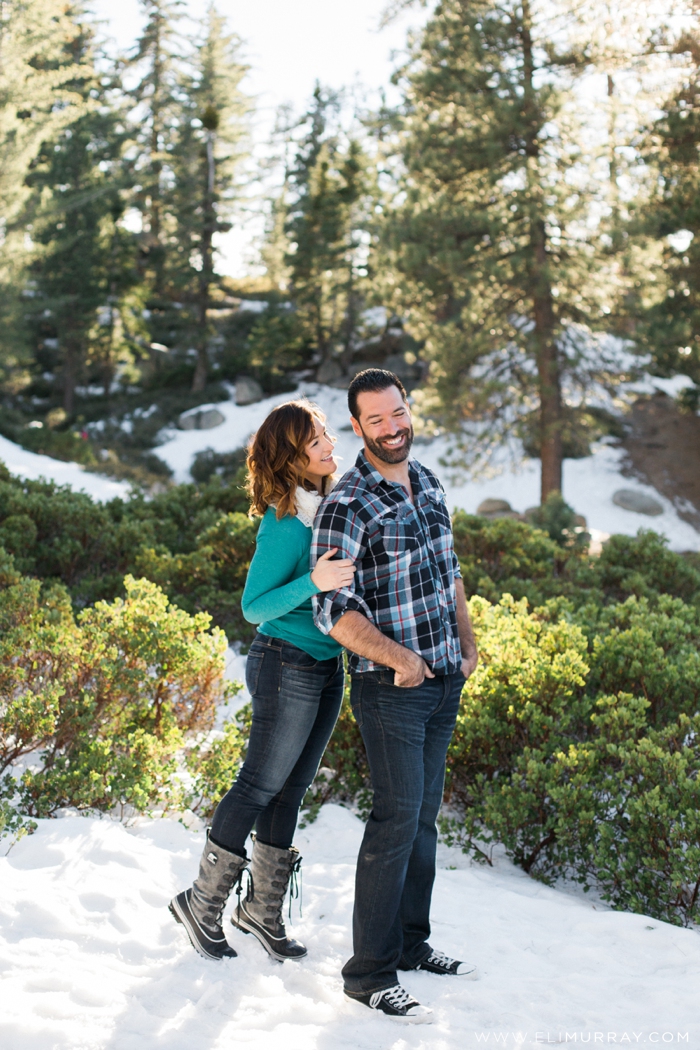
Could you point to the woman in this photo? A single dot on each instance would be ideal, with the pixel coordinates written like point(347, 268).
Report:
point(295, 678)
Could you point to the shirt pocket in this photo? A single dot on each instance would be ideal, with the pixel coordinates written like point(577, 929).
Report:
point(439, 511)
point(399, 541)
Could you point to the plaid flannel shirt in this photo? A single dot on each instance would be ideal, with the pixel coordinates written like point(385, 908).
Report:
point(405, 559)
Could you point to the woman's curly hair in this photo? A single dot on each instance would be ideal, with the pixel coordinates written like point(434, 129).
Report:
point(277, 457)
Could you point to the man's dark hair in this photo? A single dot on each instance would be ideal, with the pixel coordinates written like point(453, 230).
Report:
point(371, 381)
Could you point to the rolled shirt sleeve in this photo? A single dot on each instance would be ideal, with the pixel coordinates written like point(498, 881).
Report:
point(336, 525)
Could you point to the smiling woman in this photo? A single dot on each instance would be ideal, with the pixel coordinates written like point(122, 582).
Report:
point(295, 677)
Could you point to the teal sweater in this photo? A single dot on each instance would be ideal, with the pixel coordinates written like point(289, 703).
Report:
point(277, 594)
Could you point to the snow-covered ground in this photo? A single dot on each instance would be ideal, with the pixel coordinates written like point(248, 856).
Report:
point(30, 465)
point(91, 958)
point(589, 483)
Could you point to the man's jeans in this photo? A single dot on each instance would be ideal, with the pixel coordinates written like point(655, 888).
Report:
point(406, 734)
point(296, 701)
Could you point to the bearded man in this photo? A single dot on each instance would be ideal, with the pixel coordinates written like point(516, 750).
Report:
point(405, 623)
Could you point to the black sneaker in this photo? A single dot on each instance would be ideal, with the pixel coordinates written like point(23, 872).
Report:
point(212, 944)
point(438, 962)
point(397, 1004)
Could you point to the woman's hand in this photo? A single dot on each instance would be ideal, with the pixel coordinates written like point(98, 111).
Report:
point(331, 575)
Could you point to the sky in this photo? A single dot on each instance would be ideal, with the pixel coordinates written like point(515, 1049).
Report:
point(289, 44)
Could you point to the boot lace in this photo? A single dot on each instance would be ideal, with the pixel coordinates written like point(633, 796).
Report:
point(250, 889)
point(295, 886)
point(397, 997)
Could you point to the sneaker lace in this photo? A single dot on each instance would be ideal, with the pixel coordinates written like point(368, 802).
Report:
point(440, 959)
point(397, 997)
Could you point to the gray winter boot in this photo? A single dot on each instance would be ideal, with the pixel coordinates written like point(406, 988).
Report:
point(260, 913)
point(199, 908)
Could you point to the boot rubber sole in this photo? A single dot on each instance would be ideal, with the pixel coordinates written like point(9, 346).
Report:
point(196, 934)
point(247, 925)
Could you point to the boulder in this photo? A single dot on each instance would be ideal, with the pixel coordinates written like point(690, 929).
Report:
point(494, 508)
point(398, 364)
point(206, 417)
point(328, 372)
point(638, 502)
point(248, 391)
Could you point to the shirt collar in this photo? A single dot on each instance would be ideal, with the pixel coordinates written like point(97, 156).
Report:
point(374, 478)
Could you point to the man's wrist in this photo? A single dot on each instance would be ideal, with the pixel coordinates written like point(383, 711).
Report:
point(404, 660)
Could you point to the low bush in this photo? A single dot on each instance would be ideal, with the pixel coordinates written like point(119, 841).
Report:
point(573, 778)
point(576, 745)
point(104, 701)
point(194, 541)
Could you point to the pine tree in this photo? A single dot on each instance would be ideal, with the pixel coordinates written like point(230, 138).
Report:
point(666, 305)
point(85, 260)
point(330, 217)
point(207, 161)
point(156, 122)
point(38, 68)
point(496, 249)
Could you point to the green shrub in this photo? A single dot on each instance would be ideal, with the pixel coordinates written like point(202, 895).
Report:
point(214, 762)
point(628, 811)
point(648, 649)
point(193, 541)
point(598, 786)
point(642, 565)
point(106, 699)
point(560, 522)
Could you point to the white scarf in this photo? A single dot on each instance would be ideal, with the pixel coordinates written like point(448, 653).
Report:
point(307, 503)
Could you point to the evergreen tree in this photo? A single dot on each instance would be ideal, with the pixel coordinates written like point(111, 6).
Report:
point(496, 247)
point(666, 306)
point(38, 67)
point(206, 161)
point(85, 261)
point(156, 122)
point(330, 218)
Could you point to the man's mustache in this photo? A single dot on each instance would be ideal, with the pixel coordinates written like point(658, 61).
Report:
point(399, 433)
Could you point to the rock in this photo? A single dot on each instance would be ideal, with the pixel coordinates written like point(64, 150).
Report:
point(629, 499)
point(398, 364)
point(248, 391)
point(206, 417)
point(328, 372)
point(492, 508)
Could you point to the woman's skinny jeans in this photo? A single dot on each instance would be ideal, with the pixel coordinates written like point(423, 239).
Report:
point(296, 702)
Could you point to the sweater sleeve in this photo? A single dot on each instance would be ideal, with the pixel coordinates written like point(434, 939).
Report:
point(270, 590)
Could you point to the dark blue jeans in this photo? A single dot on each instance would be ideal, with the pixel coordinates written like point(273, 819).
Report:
point(296, 701)
point(406, 734)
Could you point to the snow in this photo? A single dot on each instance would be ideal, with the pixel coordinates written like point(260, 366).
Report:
point(649, 384)
point(589, 483)
point(33, 466)
point(92, 959)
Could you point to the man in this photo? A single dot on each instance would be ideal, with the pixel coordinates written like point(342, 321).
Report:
point(405, 623)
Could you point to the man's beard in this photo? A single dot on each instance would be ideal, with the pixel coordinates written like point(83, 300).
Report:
point(390, 455)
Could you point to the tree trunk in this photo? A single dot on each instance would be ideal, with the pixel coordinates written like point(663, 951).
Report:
point(69, 378)
point(201, 372)
point(546, 353)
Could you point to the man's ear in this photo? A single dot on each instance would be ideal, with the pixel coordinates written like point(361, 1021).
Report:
point(356, 426)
